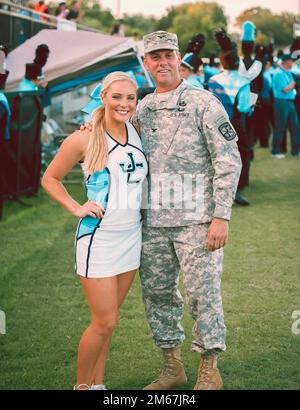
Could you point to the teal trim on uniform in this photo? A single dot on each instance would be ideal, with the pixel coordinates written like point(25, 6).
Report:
point(195, 82)
point(103, 179)
point(266, 93)
point(281, 80)
point(233, 90)
point(209, 72)
point(4, 102)
point(97, 187)
point(187, 59)
point(27, 85)
point(248, 31)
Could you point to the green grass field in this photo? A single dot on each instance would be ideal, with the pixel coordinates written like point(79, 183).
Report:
point(46, 312)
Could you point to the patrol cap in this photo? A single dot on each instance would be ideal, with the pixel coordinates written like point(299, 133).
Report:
point(229, 54)
point(160, 40)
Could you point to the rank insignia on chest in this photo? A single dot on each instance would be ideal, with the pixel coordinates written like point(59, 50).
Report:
point(227, 131)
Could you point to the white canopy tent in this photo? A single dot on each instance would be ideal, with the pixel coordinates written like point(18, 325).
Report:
point(76, 57)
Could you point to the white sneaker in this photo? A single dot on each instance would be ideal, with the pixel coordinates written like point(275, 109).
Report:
point(98, 387)
point(278, 156)
point(81, 387)
point(92, 387)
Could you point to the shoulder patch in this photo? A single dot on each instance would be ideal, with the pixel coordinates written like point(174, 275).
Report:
point(227, 131)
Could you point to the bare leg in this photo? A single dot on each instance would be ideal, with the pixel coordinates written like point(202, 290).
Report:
point(102, 297)
point(124, 283)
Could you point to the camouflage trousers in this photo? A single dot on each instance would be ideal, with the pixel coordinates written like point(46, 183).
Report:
point(166, 252)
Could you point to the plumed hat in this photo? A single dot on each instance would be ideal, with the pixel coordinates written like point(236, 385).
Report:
point(41, 54)
point(248, 31)
point(191, 59)
point(229, 53)
point(33, 71)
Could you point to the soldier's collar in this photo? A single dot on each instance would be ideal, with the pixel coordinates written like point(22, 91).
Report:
point(172, 102)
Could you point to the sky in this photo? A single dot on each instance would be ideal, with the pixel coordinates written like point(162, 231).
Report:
point(232, 7)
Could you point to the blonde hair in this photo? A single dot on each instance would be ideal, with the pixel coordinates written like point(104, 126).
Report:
point(97, 150)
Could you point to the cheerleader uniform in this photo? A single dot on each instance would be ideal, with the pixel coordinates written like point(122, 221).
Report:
point(112, 245)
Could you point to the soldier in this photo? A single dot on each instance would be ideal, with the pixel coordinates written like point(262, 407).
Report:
point(187, 136)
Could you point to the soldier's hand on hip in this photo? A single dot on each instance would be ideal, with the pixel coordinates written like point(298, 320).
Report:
point(217, 234)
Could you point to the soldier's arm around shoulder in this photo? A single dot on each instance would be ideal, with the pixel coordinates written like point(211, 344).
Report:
point(221, 140)
point(135, 119)
point(135, 122)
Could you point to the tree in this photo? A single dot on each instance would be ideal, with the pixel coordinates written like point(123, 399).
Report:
point(190, 19)
point(274, 27)
point(135, 25)
point(138, 24)
point(97, 17)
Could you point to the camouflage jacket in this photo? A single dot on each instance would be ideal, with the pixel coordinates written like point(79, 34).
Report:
point(193, 158)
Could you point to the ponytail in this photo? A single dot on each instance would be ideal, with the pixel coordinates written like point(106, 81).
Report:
point(97, 150)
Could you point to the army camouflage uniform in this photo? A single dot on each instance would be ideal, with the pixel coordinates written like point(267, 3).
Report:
point(188, 135)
